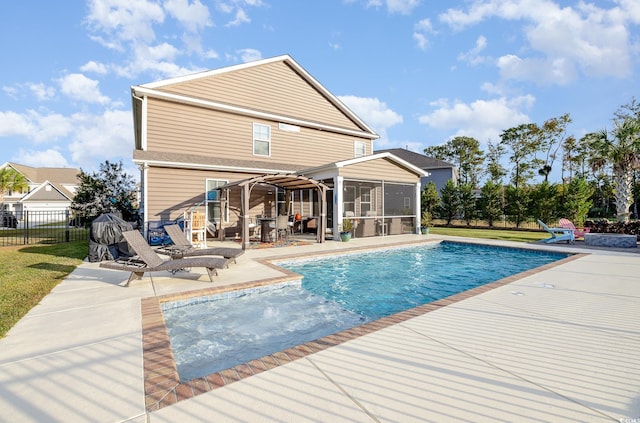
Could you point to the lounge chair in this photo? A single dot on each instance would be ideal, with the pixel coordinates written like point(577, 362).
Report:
point(183, 248)
point(148, 261)
point(577, 232)
point(557, 234)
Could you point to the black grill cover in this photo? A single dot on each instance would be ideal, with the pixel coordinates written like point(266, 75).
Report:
point(105, 238)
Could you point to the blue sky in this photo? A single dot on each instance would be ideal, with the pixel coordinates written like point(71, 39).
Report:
point(419, 72)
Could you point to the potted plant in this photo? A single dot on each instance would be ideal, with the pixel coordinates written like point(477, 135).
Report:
point(425, 222)
point(345, 229)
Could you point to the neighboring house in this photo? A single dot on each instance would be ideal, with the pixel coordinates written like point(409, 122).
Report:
point(49, 189)
point(439, 171)
point(214, 140)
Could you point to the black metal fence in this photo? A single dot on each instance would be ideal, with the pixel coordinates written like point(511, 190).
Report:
point(39, 227)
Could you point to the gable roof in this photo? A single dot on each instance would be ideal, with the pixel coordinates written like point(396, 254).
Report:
point(379, 155)
point(417, 159)
point(37, 175)
point(41, 193)
point(273, 78)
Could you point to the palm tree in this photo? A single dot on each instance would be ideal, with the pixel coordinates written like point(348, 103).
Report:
point(11, 180)
point(621, 149)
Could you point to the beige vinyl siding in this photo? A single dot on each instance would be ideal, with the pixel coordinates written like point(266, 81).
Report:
point(274, 88)
point(380, 169)
point(194, 130)
point(171, 192)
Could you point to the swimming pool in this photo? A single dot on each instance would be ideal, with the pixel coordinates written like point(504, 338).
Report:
point(337, 292)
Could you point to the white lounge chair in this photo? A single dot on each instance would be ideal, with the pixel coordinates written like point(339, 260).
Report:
point(557, 234)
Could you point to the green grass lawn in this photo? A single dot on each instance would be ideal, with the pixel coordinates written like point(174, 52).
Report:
point(28, 273)
point(507, 235)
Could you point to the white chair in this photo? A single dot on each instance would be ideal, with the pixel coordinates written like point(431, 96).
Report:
point(282, 227)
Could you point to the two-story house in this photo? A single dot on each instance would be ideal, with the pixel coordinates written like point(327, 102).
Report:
point(50, 189)
point(264, 139)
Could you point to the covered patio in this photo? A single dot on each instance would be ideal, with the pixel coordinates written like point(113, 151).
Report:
point(288, 183)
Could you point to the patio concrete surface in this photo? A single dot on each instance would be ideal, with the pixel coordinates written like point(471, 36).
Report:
point(560, 345)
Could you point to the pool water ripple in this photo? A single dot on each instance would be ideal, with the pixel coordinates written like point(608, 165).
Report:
point(337, 293)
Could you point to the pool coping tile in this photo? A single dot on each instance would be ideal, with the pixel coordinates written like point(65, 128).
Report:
point(162, 384)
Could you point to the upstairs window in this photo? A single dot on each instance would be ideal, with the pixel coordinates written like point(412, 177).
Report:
point(359, 149)
point(261, 140)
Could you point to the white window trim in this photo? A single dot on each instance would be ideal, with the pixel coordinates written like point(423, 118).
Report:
point(268, 141)
point(359, 149)
point(371, 202)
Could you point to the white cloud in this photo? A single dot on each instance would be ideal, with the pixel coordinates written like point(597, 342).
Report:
point(102, 137)
point(249, 55)
point(42, 92)
point(94, 67)
point(558, 71)
point(404, 7)
point(565, 41)
point(41, 158)
point(123, 20)
point(482, 119)
point(240, 18)
point(473, 56)
point(157, 60)
point(35, 126)
point(420, 32)
point(193, 16)
point(90, 138)
point(374, 112)
point(81, 88)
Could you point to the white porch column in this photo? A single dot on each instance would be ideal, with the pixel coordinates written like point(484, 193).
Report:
point(338, 209)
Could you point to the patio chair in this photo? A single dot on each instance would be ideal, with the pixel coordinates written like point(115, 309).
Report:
point(557, 234)
point(183, 248)
point(148, 261)
point(577, 232)
point(282, 227)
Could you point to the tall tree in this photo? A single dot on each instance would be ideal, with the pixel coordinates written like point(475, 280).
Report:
point(544, 200)
point(467, 202)
point(575, 157)
point(521, 143)
point(578, 200)
point(430, 198)
point(11, 180)
point(450, 202)
point(491, 202)
point(620, 148)
point(551, 136)
point(495, 170)
point(465, 153)
point(107, 191)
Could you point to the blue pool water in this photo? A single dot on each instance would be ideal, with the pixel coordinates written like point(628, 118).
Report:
point(337, 293)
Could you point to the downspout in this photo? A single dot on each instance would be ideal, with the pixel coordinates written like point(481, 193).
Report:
point(144, 167)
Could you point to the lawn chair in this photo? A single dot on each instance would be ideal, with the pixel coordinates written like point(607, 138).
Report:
point(577, 232)
point(557, 234)
point(148, 261)
point(183, 248)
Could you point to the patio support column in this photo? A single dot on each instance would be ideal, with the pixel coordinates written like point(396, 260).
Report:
point(338, 206)
point(322, 227)
point(245, 194)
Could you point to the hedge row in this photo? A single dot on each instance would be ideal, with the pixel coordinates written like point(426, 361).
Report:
point(606, 227)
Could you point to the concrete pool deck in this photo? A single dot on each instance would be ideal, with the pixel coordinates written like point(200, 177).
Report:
point(557, 345)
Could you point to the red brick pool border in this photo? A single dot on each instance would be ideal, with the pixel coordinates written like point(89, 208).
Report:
point(162, 384)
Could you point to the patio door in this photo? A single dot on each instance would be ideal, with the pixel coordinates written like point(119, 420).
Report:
point(213, 204)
